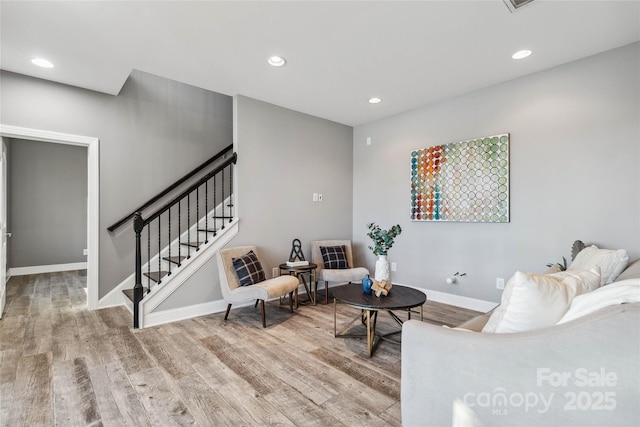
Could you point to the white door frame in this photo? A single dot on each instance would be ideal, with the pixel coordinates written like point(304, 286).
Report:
point(93, 190)
point(3, 227)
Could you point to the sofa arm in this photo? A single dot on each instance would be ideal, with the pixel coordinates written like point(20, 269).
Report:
point(582, 373)
point(476, 323)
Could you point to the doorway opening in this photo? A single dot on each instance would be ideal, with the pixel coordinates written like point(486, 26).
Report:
point(93, 189)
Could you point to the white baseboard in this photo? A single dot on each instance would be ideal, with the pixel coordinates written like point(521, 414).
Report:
point(182, 313)
point(160, 317)
point(456, 300)
point(461, 301)
point(53, 268)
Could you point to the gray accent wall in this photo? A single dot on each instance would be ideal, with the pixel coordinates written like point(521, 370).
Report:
point(47, 209)
point(575, 156)
point(151, 134)
point(286, 157)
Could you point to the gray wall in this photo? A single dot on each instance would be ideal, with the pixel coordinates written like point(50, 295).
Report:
point(284, 157)
point(152, 133)
point(47, 210)
point(575, 154)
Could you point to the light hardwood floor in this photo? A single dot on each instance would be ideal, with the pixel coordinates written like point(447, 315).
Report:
point(63, 365)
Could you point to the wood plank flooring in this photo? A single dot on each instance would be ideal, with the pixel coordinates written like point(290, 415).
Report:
point(65, 366)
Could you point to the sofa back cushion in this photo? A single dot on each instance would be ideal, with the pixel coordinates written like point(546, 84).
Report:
point(610, 261)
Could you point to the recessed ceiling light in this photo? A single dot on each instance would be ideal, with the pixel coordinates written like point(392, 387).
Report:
point(41, 62)
point(277, 61)
point(521, 54)
point(375, 100)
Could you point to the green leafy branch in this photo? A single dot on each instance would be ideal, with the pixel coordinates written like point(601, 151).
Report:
point(382, 239)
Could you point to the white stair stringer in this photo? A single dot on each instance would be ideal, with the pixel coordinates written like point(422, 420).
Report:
point(172, 283)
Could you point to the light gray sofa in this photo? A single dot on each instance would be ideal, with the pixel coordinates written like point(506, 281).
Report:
point(585, 372)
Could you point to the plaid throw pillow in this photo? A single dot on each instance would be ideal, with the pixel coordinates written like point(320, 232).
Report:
point(248, 269)
point(334, 257)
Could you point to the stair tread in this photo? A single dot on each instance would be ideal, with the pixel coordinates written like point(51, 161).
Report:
point(156, 276)
point(192, 244)
point(129, 292)
point(175, 259)
point(208, 230)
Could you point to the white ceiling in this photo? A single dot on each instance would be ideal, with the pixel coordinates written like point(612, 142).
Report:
point(339, 53)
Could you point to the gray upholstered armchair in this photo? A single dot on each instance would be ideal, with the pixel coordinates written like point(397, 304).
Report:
point(233, 292)
point(326, 275)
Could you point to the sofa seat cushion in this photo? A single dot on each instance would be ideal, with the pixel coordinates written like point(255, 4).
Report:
point(533, 301)
point(270, 288)
point(343, 275)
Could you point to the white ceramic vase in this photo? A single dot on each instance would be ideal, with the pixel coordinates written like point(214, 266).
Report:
point(383, 270)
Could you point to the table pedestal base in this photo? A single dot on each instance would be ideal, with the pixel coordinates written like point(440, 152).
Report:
point(369, 317)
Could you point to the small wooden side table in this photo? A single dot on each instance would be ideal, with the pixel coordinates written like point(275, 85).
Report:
point(299, 272)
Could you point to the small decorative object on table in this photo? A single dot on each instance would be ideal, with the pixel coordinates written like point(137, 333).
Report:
point(382, 241)
point(366, 284)
point(381, 288)
point(296, 258)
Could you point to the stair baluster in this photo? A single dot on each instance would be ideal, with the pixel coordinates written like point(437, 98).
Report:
point(215, 212)
point(230, 192)
point(188, 222)
point(206, 209)
point(138, 225)
point(169, 274)
point(222, 187)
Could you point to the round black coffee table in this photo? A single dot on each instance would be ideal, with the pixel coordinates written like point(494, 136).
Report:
point(400, 298)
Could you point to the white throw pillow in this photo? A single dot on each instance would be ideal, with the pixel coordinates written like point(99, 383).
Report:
point(532, 301)
point(611, 262)
point(625, 291)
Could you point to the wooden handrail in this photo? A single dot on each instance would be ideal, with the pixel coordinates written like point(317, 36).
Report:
point(167, 190)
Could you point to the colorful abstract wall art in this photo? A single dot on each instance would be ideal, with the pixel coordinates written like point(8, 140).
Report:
point(465, 181)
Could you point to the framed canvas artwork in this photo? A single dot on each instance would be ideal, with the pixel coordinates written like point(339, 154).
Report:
point(466, 181)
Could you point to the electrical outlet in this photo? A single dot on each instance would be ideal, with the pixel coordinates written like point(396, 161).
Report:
point(85, 252)
point(368, 140)
point(393, 266)
point(315, 197)
point(499, 283)
point(275, 272)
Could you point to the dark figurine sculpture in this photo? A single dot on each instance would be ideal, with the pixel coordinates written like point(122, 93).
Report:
point(296, 251)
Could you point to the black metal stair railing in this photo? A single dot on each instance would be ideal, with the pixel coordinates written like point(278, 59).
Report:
point(163, 221)
point(172, 225)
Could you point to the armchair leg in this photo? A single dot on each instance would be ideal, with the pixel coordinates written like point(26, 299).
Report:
point(291, 301)
point(315, 293)
point(227, 313)
point(326, 292)
point(256, 304)
point(264, 319)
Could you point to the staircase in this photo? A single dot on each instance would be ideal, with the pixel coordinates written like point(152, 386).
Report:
point(174, 241)
point(164, 274)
